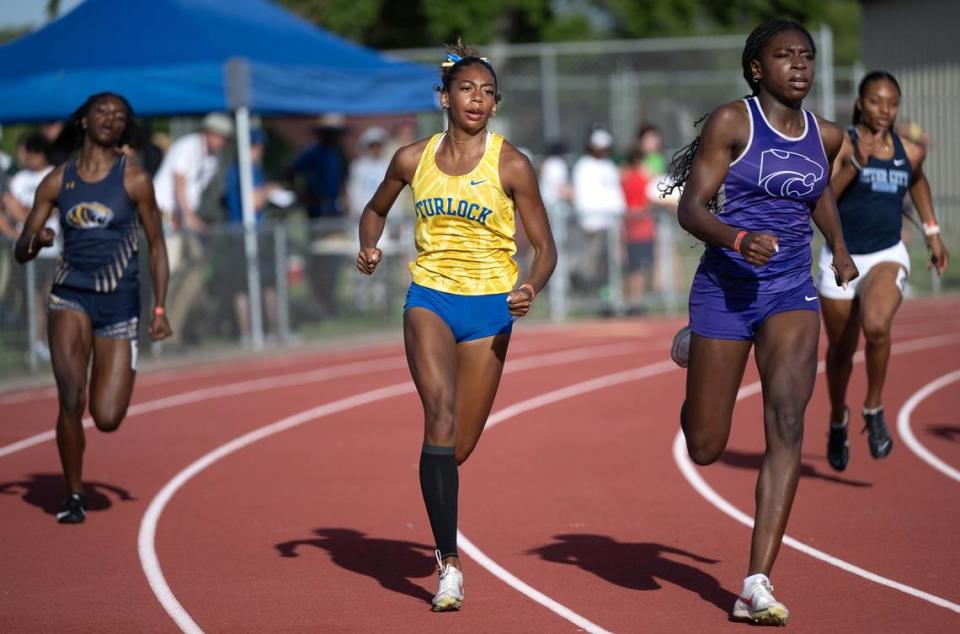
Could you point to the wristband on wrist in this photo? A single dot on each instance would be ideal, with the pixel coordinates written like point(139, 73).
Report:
point(931, 228)
point(31, 244)
point(855, 163)
point(738, 240)
point(529, 287)
point(159, 311)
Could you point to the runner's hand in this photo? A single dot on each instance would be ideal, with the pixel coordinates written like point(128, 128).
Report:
point(938, 255)
point(757, 248)
point(45, 237)
point(368, 259)
point(519, 301)
point(844, 270)
point(160, 328)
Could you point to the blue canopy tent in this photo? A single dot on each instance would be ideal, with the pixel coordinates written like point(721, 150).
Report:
point(192, 56)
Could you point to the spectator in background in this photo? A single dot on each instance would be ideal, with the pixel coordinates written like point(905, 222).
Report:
point(18, 201)
point(321, 175)
point(650, 144)
point(366, 173)
point(639, 229)
point(367, 170)
point(185, 172)
point(234, 276)
point(599, 203)
point(322, 168)
point(555, 188)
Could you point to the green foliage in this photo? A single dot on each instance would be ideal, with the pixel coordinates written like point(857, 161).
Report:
point(418, 23)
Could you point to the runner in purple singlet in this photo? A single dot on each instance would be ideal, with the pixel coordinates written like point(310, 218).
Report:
point(751, 183)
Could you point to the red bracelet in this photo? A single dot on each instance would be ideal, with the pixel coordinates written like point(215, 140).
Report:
point(533, 292)
point(738, 240)
point(159, 311)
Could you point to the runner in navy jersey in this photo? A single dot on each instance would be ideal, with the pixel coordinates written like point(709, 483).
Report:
point(751, 183)
point(873, 172)
point(94, 304)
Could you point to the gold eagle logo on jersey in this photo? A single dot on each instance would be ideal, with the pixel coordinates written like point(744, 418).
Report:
point(89, 216)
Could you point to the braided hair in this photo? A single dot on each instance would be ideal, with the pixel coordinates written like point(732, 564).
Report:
point(459, 57)
point(131, 131)
point(871, 77)
point(682, 162)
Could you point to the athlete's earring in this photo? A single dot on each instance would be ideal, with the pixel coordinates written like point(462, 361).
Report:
point(756, 78)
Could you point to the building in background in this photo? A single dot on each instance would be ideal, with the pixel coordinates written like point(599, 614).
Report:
point(916, 41)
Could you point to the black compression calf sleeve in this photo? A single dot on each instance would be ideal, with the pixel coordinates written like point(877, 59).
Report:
point(440, 485)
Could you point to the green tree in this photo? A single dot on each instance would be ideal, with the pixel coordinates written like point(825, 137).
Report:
point(419, 23)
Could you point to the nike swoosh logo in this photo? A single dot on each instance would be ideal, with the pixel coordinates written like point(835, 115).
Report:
point(809, 299)
point(899, 162)
point(478, 182)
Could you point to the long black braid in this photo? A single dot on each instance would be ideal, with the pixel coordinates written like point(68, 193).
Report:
point(682, 161)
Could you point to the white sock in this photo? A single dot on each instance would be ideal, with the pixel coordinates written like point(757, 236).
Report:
point(871, 412)
point(749, 581)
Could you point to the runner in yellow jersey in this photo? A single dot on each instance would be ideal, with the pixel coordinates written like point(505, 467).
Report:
point(468, 184)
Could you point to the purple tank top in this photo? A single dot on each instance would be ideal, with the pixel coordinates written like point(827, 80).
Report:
point(773, 186)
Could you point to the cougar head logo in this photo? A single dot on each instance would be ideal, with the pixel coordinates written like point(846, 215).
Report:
point(788, 174)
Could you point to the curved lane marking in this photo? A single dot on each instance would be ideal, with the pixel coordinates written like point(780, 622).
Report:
point(903, 425)
point(148, 526)
point(695, 480)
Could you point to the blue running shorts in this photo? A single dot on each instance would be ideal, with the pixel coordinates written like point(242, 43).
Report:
point(468, 316)
point(112, 315)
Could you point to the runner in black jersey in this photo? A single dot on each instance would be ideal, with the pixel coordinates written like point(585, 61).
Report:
point(873, 171)
point(94, 304)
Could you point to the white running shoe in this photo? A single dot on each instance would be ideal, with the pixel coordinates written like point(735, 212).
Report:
point(760, 606)
point(680, 351)
point(450, 595)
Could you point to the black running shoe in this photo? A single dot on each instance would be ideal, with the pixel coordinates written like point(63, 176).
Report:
point(838, 449)
point(74, 510)
point(877, 435)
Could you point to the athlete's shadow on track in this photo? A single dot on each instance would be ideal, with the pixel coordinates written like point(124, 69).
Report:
point(636, 566)
point(947, 432)
point(745, 460)
point(391, 562)
point(47, 491)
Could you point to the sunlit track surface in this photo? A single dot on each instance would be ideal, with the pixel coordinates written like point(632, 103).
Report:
point(572, 492)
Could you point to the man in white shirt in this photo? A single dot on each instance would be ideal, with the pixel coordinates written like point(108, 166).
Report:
point(599, 204)
point(187, 169)
point(18, 201)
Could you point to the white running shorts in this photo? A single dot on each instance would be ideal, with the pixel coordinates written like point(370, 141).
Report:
point(827, 284)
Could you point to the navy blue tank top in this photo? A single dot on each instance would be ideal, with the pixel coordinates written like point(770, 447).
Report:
point(871, 206)
point(773, 186)
point(100, 235)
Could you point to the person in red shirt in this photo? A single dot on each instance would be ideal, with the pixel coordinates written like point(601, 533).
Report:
point(639, 229)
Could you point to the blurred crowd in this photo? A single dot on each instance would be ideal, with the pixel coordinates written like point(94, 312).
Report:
point(614, 202)
point(325, 181)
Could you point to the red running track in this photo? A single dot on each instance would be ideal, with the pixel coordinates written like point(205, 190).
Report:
point(574, 491)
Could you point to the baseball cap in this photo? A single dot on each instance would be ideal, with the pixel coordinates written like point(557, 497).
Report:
point(218, 123)
point(601, 139)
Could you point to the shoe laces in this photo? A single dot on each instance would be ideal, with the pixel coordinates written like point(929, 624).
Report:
point(449, 577)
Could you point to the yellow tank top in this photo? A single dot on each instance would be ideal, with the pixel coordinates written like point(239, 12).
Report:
point(465, 226)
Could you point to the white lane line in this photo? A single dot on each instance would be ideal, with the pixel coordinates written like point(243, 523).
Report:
point(148, 525)
point(322, 374)
point(903, 425)
point(471, 550)
point(700, 485)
